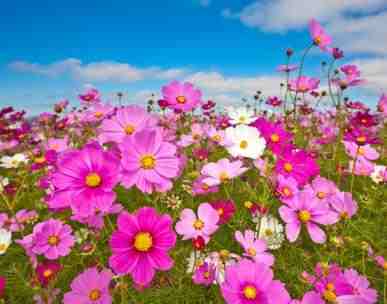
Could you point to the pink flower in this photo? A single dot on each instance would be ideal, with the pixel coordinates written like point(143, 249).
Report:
point(57, 144)
point(361, 291)
point(287, 188)
point(90, 96)
point(225, 209)
point(254, 248)
point(85, 179)
point(310, 297)
point(322, 188)
point(248, 282)
point(364, 151)
point(287, 68)
point(97, 112)
point(350, 70)
point(306, 210)
point(181, 96)
point(382, 262)
point(90, 287)
point(222, 171)
point(382, 104)
point(141, 243)
point(304, 84)
point(126, 122)
point(53, 239)
point(148, 161)
point(199, 187)
point(197, 134)
point(344, 205)
point(204, 275)
point(320, 38)
point(204, 225)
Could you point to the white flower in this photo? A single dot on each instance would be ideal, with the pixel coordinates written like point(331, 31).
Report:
point(272, 231)
point(246, 142)
point(4, 181)
point(220, 262)
point(5, 240)
point(379, 174)
point(13, 161)
point(241, 115)
point(195, 259)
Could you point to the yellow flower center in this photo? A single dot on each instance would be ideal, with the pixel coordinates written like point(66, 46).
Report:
point(242, 119)
point(148, 162)
point(206, 274)
point(224, 253)
point(330, 287)
point(286, 191)
point(250, 292)
point(275, 138)
point(224, 177)
point(330, 296)
point(93, 180)
point(48, 273)
point(268, 232)
point(198, 225)
point(3, 247)
point(361, 139)
point(217, 138)
point(220, 211)
point(53, 240)
point(385, 266)
point(129, 129)
point(304, 216)
point(248, 204)
point(288, 167)
point(95, 294)
point(321, 194)
point(243, 144)
point(181, 99)
point(344, 215)
point(251, 251)
point(361, 151)
point(317, 40)
point(40, 160)
point(98, 114)
point(143, 241)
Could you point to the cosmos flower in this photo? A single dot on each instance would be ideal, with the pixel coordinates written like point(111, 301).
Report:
point(182, 96)
point(199, 187)
point(319, 36)
point(141, 243)
point(360, 152)
point(47, 271)
point(85, 178)
point(379, 175)
point(271, 230)
point(57, 144)
point(304, 84)
point(126, 122)
point(217, 136)
point(205, 224)
point(5, 240)
point(254, 248)
point(249, 282)
point(91, 96)
point(273, 101)
point(222, 171)
point(90, 287)
point(287, 188)
point(322, 188)
point(148, 161)
point(198, 132)
point(306, 210)
point(287, 68)
point(343, 204)
point(225, 209)
point(97, 112)
point(13, 161)
point(242, 115)
point(382, 105)
point(52, 239)
point(245, 141)
point(204, 274)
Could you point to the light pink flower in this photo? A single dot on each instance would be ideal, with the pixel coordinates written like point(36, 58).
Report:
point(222, 171)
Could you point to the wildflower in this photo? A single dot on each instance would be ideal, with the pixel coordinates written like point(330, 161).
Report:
point(274, 101)
point(322, 188)
point(47, 271)
point(344, 205)
point(57, 144)
point(91, 96)
point(361, 292)
point(254, 248)
point(225, 209)
point(320, 38)
point(205, 224)
point(53, 239)
point(287, 188)
point(379, 175)
point(306, 210)
point(382, 105)
point(310, 297)
point(97, 112)
point(89, 287)
point(304, 84)
point(222, 171)
point(360, 152)
point(199, 187)
point(245, 141)
point(382, 262)
point(173, 201)
point(240, 115)
point(271, 230)
point(249, 282)
point(217, 136)
point(287, 68)
point(85, 178)
point(148, 162)
point(14, 161)
point(204, 275)
point(5, 240)
point(182, 96)
point(198, 133)
point(141, 243)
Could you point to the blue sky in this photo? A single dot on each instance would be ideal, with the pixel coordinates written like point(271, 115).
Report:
point(52, 49)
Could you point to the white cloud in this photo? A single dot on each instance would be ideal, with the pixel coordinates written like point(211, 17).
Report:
point(97, 71)
point(374, 70)
point(363, 33)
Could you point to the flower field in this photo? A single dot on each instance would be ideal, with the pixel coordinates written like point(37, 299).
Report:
point(280, 200)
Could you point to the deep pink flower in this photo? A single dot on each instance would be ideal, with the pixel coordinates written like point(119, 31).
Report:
point(225, 209)
point(47, 271)
point(304, 84)
point(205, 224)
point(222, 171)
point(90, 287)
point(297, 164)
point(89, 97)
point(287, 188)
point(382, 262)
point(363, 119)
point(141, 243)
point(306, 210)
point(53, 239)
point(148, 161)
point(3, 282)
point(248, 282)
point(350, 70)
point(85, 179)
point(319, 36)
point(254, 248)
point(204, 275)
point(126, 122)
point(273, 101)
point(362, 136)
point(182, 96)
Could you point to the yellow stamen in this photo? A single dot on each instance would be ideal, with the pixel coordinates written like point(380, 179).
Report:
point(129, 129)
point(143, 241)
point(181, 99)
point(53, 240)
point(243, 144)
point(93, 180)
point(95, 294)
point(198, 225)
point(250, 292)
point(304, 216)
point(288, 167)
point(275, 138)
point(148, 161)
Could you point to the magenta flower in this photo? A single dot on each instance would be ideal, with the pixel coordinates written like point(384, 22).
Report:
point(222, 171)
point(306, 210)
point(148, 161)
point(304, 84)
point(254, 248)
point(89, 97)
point(382, 105)
point(53, 239)
point(320, 38)
point(47, 271)
point(350, 70)
point(204, 275)
point(287, 188)
point(141, 243)
point(248, 282)
point(205, 224)
point(181, 96)
point(297, 164)
point(90, 287)
point(85, 179)
point(126, 122)
point(310, 297)
point(225, 209)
